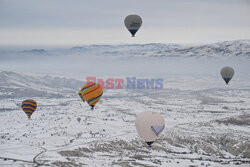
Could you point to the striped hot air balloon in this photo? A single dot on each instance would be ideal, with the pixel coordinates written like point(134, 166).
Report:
point(91, 92)
point(29, 106)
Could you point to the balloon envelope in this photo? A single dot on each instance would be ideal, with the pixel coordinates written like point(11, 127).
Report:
point(91, 92)
point(149, 125)
point(227, 73)
point(29, 106)
point(133, 23)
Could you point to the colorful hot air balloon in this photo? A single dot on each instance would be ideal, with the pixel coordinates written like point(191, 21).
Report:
point(149, 125)
point(227, 73)
point(29, 106)
point(91, 92)
point(133, 23)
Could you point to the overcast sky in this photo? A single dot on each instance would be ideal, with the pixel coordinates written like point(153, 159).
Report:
point(78, 22)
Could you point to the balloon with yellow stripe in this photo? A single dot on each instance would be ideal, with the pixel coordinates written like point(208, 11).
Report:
point(91, 92)
point(29, 106)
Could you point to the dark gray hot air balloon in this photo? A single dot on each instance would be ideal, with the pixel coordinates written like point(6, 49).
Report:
point(227, 73)
point(133, 23)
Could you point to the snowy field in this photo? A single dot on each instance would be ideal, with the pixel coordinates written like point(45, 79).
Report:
point(207, 122)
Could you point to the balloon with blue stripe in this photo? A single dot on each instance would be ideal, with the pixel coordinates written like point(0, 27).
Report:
point(149, 125)
point(133, 23)
point(227, 73)
point(29, 107)
point(91, 92)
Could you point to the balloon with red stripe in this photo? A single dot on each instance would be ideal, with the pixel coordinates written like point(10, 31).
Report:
point(91, 92)
point(29, 106)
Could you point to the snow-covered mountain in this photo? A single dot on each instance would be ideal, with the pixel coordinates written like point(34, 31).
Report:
point(239, 48)
point(125, 50)
point(22, 85)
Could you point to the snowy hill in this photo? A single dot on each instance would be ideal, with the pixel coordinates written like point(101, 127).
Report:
point(239, 48)
point(21, 85)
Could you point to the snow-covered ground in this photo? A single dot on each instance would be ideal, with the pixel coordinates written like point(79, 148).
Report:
point(207, 123)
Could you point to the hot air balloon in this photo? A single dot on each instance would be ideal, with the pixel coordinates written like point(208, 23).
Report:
point(29, 106)
point(91, 92)
point(149, 125)
point(133, 23)
point(227, 73)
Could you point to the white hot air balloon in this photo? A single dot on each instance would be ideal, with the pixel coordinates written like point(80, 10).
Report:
point(227, 73)
point(149, 125)
point(133, 23)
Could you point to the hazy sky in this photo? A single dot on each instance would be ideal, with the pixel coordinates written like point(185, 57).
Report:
point(77, 22)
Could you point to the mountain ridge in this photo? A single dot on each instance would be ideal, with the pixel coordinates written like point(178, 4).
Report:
point(14, 84)
point(239, 48)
